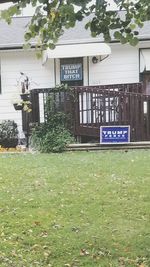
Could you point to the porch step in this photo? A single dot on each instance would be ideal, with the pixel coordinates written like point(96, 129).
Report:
point(97, 146)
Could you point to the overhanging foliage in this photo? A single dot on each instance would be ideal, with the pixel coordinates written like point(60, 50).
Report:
point(52, 17)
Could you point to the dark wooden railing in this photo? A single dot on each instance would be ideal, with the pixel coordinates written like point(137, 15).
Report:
point(99, 107)
point(127, 87)
point(94, 106)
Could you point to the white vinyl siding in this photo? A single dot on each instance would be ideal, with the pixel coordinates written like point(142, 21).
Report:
point(12, 63)
point(122, 66)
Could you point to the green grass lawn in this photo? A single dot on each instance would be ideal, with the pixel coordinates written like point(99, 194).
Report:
point(75, 209)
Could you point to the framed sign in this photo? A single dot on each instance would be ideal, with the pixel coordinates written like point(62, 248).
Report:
point(119, 134)
point(71, 72)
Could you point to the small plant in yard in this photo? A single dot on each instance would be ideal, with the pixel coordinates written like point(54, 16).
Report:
point(51, 136)
point(54, 134)
point(8, 134)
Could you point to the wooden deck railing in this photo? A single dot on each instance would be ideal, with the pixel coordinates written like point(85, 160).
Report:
point(93, 106)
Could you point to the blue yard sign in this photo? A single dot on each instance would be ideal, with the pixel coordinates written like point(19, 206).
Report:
point(71, 72)
point(115, 134)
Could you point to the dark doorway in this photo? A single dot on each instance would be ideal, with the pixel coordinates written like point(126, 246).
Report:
point(145, 78)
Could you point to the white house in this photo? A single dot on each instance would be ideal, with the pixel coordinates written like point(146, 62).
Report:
point(98, 63)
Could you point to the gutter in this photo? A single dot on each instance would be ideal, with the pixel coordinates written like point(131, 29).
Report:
point(84, 41)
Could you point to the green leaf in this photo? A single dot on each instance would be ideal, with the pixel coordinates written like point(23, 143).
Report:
point(132, 26)
point(93, 34)
point(27, 46)
point(123, 40)
point(51, 46)
point(52, 17)
point(28, 36)
point(134, 41)
point(117, 35)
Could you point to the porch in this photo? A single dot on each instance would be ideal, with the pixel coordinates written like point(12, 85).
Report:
point(93, 106)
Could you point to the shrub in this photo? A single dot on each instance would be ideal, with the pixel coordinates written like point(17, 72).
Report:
point(8, 134)
point(47, 138)
point(54, 134)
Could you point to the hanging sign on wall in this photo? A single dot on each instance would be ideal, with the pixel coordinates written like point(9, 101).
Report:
point(71, 72)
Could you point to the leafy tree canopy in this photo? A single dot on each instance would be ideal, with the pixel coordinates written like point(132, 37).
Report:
point(51, 17)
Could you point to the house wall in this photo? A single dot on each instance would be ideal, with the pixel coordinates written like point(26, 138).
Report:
point(122, 66)
point(12, 63)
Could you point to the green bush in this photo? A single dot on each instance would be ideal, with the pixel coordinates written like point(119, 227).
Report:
point(51, 136)
point(8, 134)
point(54, 134)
